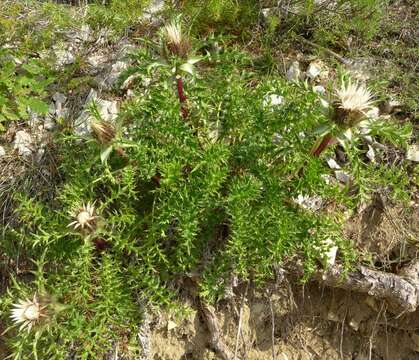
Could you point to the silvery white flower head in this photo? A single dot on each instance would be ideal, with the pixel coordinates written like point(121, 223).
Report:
point(176, 42)
point(85, 217)
point(353, 100)
point(28, 312)
point(173, 33)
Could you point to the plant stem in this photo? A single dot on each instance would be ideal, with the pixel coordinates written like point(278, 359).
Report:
point(182, 97)
point(326, 141)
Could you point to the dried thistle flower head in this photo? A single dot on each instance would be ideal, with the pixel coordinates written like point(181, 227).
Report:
point(104, 131)
point(176, 42)
point(85, 217)
point(352, 103)
point(28, 312)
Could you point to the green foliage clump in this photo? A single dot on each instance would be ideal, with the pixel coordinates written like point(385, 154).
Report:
point(221, 15)
point(331, 23)
point(22, 87)
point(115, 14)
point(207, 196)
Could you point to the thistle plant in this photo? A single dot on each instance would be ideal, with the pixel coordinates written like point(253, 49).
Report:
point(352, 101)
point(177, 51)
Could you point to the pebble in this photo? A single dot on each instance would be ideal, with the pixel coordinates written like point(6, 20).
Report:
point(333, 164)
point(314, 70)
point(273, 100)
point(371, 154)
point(23, 143)
point(313, 203)
point(330, 252)
point(64, 57)
point(2, 151)
point(412, 153)
point(294, 72)
point(343, 177)
point(319, 89)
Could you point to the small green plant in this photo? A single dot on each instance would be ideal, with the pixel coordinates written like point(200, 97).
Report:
point(210, 15)
point(117, 16)
point(22, 88)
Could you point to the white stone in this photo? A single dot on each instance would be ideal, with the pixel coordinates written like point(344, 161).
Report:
point(360, 68)
point(392, 107)
point(59, 98)
point(155, 7)
point(23, 143)
point(273, 100)
point(116, 69)
point(97, 60)
point(333, 164)
point(314, 70)
point(412, 153)
point(313, 203)
point(64, 57)
point(330, 252)
point(343, 177)
point(2, 151)
point(371, 154)
point(294, 72)
point(171, 325)
point(319, 89)
point(49, 123)
point(85, 33)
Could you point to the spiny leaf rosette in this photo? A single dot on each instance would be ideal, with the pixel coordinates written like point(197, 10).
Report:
point(85, 217)
point(352, 102)
point(29, 312)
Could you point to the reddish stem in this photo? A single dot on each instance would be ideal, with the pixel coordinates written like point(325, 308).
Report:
point(327, 140)
point(182, 97)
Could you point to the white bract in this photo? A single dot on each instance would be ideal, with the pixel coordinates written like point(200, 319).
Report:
point(28, 312)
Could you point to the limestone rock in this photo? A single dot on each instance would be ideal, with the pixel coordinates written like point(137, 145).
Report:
point(314, 69)
point(319, 89)
point(107, 109)
point(273, 100)
point(23, 143)
point(294, 72)
point(413, 153)
point(333, 164)
point(343, 177)
point(154, 8)
point(64, 57)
